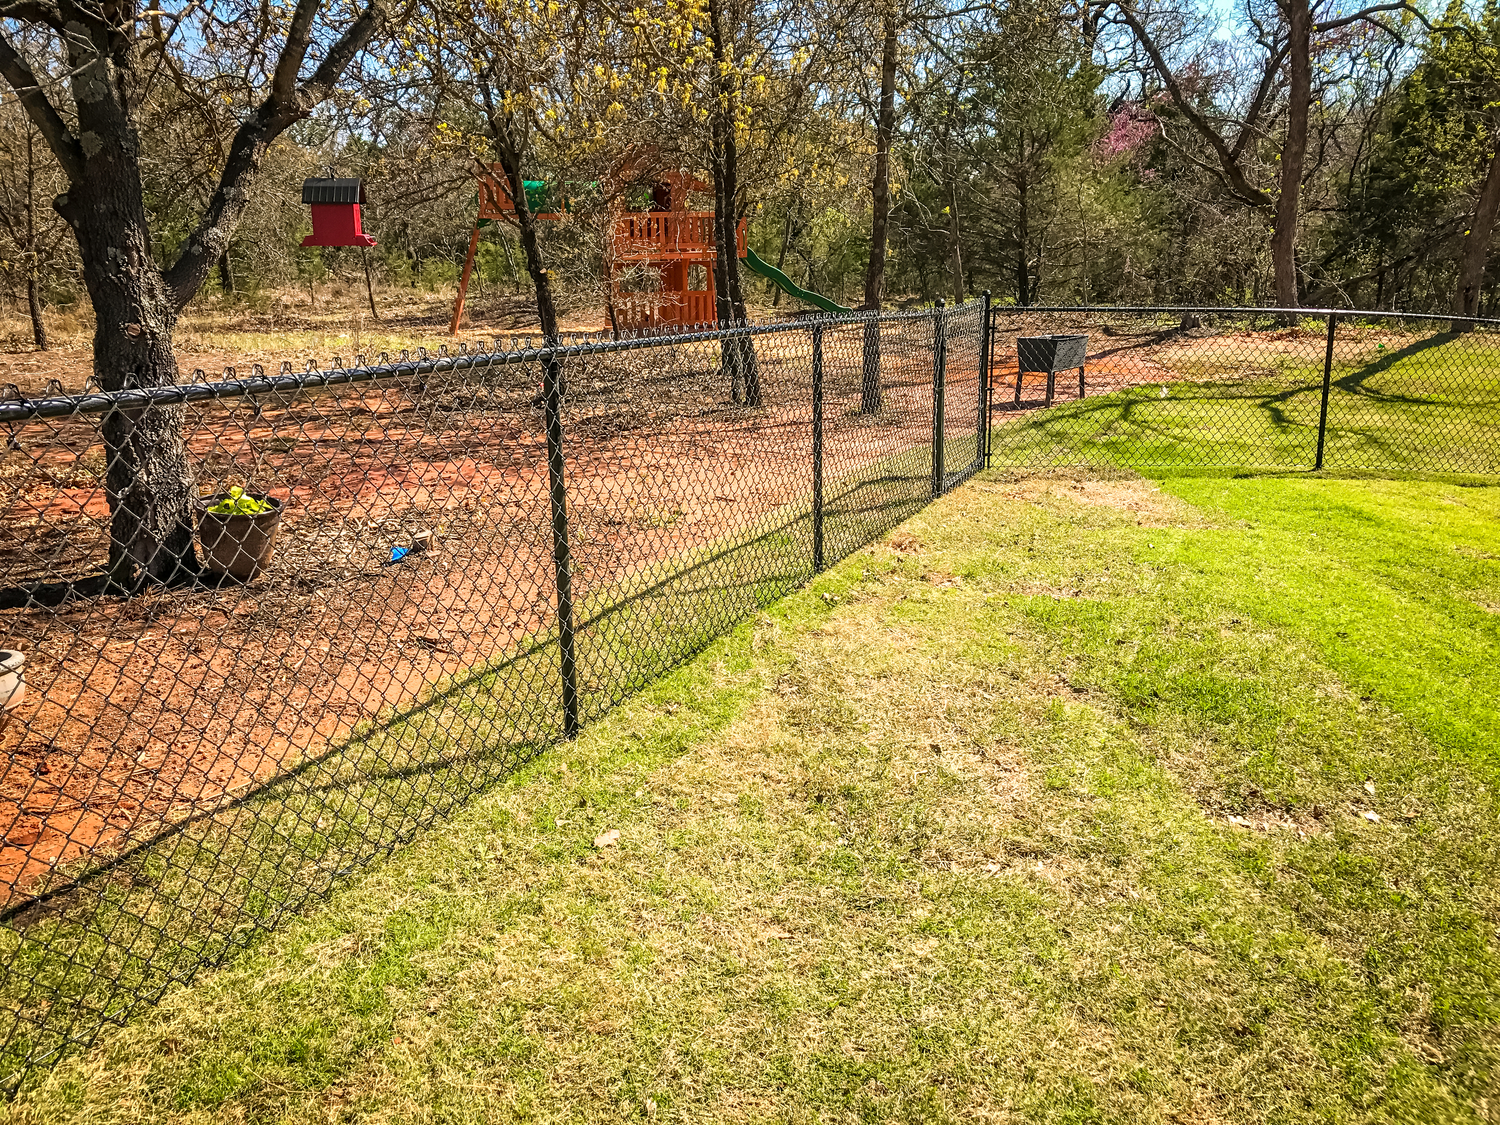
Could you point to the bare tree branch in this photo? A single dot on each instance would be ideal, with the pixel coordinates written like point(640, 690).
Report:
point(1234, 173)
point(1367, 14)
point(42, 112)
point(281, 109)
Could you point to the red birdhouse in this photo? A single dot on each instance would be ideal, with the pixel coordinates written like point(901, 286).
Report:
point(335, 213)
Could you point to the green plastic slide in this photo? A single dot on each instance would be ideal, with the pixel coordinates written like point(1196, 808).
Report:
point(776, 277)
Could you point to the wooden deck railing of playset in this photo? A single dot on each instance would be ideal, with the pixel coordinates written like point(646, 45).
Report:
point(683, 235)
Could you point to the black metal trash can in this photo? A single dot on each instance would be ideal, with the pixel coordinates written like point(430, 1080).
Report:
point(1061, 352)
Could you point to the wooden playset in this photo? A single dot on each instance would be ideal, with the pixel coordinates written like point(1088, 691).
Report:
point(660, 261)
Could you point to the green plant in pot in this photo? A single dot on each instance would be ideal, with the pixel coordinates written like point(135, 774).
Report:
point(238, 532)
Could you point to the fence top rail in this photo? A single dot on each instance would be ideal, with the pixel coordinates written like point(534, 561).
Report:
point(19, 409)
point(1243, 311)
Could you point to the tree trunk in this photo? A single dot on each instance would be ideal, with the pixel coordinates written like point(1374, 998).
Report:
point(1477, 245)
point(880, 191)
point(955, 255)
point(885, 127)
point(505, 131)
point(786, 241)
point(33, 289)
point(34, 304)
point(739, 358)
point(364, 254)
point(1293, 152)
point(1023, 236)
point(149, 481)
point(226, 275)
point(1083, 234)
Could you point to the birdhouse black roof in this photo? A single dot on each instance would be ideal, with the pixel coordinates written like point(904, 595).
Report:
point(332, 191)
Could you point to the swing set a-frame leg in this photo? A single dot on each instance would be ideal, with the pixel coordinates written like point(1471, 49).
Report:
point(463, 283)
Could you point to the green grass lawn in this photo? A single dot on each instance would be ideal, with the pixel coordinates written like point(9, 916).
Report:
point(1075, 800)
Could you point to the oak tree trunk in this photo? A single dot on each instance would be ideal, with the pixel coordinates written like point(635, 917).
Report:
point(1477, 245)
point(738, 354)
point(786, 242)
point(34, 305)
point(1293, 153)
point(506, 132)
point(885, 128)
point(1023, 236)
point(955, 255)
point(34, 265)
point(149, 481)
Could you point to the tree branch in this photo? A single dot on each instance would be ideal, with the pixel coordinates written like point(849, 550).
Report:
point(32, 11)
point(1368, 15)
point(281, 109)
point(1233, 172)
point(293, 53)
point(41, 111)
point(1248, 127)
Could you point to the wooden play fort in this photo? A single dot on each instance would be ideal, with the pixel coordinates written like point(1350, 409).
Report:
point(660, 260)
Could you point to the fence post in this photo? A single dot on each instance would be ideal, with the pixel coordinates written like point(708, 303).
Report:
point(939, 391)
point(1327, 386)
point(984, 385)
point(817, 447)
point(562, 562)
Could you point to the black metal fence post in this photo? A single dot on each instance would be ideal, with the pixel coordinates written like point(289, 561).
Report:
point(561, 560)
point(939, 390)
point(1327, 386)
point(984, 385)
point(817, 447)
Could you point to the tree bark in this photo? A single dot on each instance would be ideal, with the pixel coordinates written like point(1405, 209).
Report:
point(505, 130)
point(1476, 246)
point(1293, 152)
point(149, 482)
point(738, 354)
point(33, 286)
point(226, 275)
point(870, 393)
point(955, 253)
point(786, 241)
point(150, 485)
point(34, 306)
point(364, 255)
point(1023, 236)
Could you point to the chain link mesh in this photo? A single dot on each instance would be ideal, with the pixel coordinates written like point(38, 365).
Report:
point(1244, 389)
point(193, 761)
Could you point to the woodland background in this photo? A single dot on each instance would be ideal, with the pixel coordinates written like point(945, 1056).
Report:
point(1050, 152)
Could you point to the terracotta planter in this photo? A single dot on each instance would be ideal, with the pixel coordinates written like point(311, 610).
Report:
point(239, 545)
point(12, 679)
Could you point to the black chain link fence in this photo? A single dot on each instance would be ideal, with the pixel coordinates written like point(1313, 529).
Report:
point(474, 553)
point(1253, 389)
